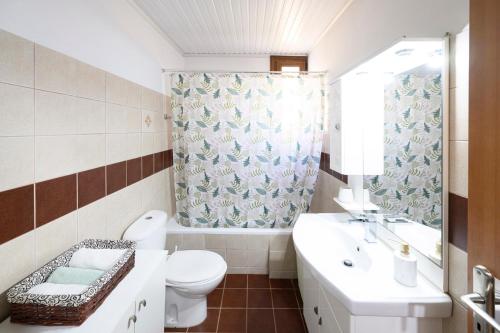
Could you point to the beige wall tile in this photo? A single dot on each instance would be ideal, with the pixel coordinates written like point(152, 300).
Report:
point(16, 110)
point(116, 149)
point(121, 91)
point(459, 158)
point(457, 323)
point(91, 151)
point(92, 220)
point(163, 141)
point(151, 100)
point(57, 114)
point(215, 241)
point(327, 188)
point(459, 113)
point(258, 242)
point(174, 240)
point(280, 242)
point(122, 208)
point(221, 252)
point(134, 145)
point(122, 119)
point(457, 272)
point(158, 144)
point(16, 60)
point(57, 72)
point(148, 143)
point(55, 237)
point(18, 259)
point(282, 261)
point(16, 162)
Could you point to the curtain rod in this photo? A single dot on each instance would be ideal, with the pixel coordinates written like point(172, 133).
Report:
point(242, 72)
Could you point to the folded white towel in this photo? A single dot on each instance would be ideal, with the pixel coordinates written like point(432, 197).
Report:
point(57, 289)
point(101, 259)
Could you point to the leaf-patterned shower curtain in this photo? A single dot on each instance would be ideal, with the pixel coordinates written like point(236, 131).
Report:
point(246, 147)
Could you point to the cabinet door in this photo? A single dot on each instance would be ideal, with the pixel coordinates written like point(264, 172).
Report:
point(150, 305)
point(327, 322)
point(309, 291)
point(126, 324)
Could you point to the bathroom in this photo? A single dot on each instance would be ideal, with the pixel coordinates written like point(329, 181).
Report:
point(259, 166)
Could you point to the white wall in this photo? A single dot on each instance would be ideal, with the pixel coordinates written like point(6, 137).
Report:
point(370, 26)
point(227, 63)
point(108, 34)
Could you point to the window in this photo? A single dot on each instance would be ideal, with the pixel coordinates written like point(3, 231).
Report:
point(288, 63)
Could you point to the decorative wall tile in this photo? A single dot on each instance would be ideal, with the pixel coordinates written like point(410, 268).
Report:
point(91, 186)
point(58, 114)
point(55, 198)
point(57, 72)
point(16, 162)
point(16, 110)
point(123, 92)
point(134, 170)
point(16, 60)
point(17, 212)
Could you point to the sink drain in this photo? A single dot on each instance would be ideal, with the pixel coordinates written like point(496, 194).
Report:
point(347, 263)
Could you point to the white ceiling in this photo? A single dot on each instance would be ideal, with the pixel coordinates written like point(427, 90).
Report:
point(243, 26)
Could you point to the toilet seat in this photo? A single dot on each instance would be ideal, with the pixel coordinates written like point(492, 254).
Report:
point(194, 267)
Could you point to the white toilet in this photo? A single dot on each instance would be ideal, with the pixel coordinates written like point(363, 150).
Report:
point(190, 275)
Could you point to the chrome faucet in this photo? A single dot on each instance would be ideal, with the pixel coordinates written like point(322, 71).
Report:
point(369, 224)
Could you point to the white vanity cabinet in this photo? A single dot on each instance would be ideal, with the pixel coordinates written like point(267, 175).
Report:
point(136, 305)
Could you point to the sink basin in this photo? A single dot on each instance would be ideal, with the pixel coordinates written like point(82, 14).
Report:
point(367, 288)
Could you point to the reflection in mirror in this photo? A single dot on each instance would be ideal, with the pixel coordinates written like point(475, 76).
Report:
point(409, 190)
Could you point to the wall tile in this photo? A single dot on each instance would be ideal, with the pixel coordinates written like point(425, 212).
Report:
point(57, 114)
point(116, 177)
point(193, 242)
point(151, 100)
point(459, 113)
point(257, 258)
point(327, 188)
point(122, 119)
point(148, 146)
point(57, 72)
point(123, 207)
point(147, 165)
point(18, 253)
point(55, 198)
point(236, 242)
point(457, 271)
point(91, 186)
point(457, 323)
point(236, 258)
point(16, 110)
point(280, 242)
point(16, 162)
point(55, 237)
point(158, 162)
point(134, 170)
point(258, 242)
point(116, 148)
point(459, 159)
point(173, 240)
point(123, 92)
point(91, 151)
point(17, 212)
point(134, 145)
point(458, 220)
point(221, 252)
point(16, 60)
point(92, 220)
point(55, 156)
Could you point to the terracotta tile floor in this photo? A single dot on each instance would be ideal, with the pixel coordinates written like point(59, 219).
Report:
point(252, 304)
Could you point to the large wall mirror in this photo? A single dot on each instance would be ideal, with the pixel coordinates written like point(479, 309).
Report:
point(399, 176)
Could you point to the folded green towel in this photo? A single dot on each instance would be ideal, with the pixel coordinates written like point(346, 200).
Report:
point(74, 275)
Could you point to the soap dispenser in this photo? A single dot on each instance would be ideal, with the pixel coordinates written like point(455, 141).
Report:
point(405, 266)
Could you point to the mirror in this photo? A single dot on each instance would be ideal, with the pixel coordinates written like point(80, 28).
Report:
point(387, 125)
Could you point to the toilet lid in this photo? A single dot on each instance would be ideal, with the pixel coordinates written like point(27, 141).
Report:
point(194, 266)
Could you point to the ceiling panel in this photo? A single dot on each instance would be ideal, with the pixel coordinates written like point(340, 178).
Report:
point(243, 26)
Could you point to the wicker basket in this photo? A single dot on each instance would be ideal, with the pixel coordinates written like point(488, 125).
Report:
point(68, 310)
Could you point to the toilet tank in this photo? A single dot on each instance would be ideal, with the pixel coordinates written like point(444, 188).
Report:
point(149, 231)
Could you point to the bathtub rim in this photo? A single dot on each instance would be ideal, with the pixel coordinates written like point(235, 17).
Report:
point(174, 228)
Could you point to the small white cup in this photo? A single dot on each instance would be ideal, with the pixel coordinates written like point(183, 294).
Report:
point(346, 195)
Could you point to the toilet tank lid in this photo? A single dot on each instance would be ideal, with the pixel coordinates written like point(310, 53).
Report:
point(146, 225)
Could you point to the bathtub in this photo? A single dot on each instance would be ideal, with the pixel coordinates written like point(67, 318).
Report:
point(246, 250)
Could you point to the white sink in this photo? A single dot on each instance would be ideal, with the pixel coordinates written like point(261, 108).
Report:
point(325, 241)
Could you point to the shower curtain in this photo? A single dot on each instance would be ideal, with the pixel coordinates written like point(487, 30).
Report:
point(246, 147)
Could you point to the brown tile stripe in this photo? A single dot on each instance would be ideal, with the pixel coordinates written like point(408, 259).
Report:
point(16, 212)
point(458, 220)
point(91, 186)
point(147, 165)
point(57, 197)
point(325, 166)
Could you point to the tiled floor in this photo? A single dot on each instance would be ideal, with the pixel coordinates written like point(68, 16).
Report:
point(253, 304)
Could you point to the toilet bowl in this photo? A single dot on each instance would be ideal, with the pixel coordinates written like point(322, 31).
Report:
point(189, 275)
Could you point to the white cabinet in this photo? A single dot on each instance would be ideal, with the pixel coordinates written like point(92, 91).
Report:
point(136, 305)
point(356, 110)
